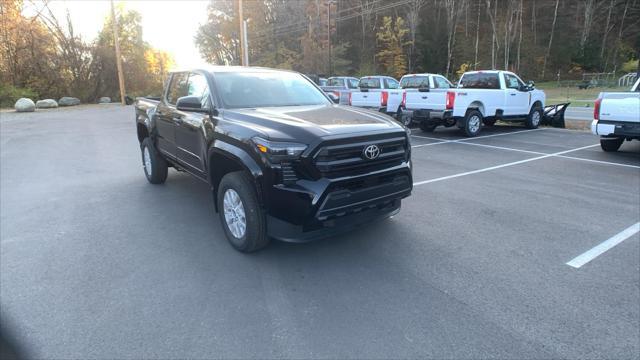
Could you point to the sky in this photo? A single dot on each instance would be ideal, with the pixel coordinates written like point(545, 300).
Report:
point(168, 25)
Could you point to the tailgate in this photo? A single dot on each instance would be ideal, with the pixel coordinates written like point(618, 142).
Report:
point(620, 107)
point(366, 99)
point(432, 100)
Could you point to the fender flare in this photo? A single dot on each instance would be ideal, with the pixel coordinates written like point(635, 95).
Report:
point(536, 104)
point(240, 158)
point(238, 154)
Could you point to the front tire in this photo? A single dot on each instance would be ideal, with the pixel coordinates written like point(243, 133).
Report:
point(611, 144)
point(241, 216)
point(472, 123)
point(155, 166)
point(534, 118)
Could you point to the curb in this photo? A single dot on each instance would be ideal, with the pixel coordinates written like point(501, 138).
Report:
point(577, 124)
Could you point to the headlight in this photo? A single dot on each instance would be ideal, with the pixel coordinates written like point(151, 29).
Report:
point(278, 151)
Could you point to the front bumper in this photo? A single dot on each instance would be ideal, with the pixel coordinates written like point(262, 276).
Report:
point(310, 210)
point(616, 129)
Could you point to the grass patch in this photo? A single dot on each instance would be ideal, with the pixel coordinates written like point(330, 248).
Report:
point(571, 93)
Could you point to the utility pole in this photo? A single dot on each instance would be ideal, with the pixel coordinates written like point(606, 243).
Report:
point(329, 3)
point(245, 48)
point(118, 58)
point(242, 44)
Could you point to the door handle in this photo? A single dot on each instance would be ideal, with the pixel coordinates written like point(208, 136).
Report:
point(513, 94)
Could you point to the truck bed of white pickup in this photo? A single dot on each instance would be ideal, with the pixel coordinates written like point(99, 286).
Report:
point(617, 117)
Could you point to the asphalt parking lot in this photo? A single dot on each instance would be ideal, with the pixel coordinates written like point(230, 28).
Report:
point(97, 263)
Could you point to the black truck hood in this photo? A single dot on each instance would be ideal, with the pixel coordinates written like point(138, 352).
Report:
point(300, 122)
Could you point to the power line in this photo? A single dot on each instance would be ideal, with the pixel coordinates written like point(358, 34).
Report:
point(292, 28)
point(305, 22)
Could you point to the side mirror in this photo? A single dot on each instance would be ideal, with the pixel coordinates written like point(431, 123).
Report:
point(423, 89)
point(334, 97)
point(190, 103)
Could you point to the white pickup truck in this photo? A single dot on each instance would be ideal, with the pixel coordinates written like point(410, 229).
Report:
point(381, 93)
point(616, 117)
point(424, 100)
point(482, 97)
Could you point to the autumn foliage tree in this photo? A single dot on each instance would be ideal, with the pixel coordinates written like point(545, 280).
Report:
point(393, 40)
point(41, 56)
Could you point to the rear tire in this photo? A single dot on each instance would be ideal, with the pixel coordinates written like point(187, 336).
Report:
point(472, 123)
point(242, 218)
point(611, 144)
point(427, 127)
point(404, 120)
point(534, 118)
point(155, 166)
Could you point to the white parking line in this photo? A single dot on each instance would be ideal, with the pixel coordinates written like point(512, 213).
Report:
point(529, 152)
point(506, 148)
point(429, 144)
point(600, 249)
point(501, 134)
point(475, 138)
point(501, 166)
point(599, 161)
point(431, 138)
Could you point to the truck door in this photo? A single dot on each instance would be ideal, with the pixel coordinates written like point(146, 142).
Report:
point(517, 100)
point(165, 125)
point(189, 127)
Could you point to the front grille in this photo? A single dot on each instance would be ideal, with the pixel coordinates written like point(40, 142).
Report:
point(348, 159)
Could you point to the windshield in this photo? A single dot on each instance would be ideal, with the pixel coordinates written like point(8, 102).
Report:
point(266, 89)
point(414, 82)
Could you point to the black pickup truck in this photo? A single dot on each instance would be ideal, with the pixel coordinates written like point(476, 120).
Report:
point(282, 160)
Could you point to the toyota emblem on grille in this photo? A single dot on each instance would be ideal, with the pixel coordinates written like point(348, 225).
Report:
point(371, 152)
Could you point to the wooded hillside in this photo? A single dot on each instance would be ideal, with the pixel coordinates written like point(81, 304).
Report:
point(536, 38)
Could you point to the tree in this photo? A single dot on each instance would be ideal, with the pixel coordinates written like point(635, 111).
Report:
point(393, 39)
point(413, 19)
point(219, 38)
point(553, 27)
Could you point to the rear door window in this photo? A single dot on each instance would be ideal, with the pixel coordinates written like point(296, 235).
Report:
point(441, 83)
point(480, 81)
point(370, 83)
point(391, 83)
point(177, 87)
point(414, 82)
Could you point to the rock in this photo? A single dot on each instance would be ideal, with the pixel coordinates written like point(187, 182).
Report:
point(68, 101)
point(104, 100)
point(46, 104)
point(25, 105)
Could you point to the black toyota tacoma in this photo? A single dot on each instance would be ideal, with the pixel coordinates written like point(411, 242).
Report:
point(282, 160)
